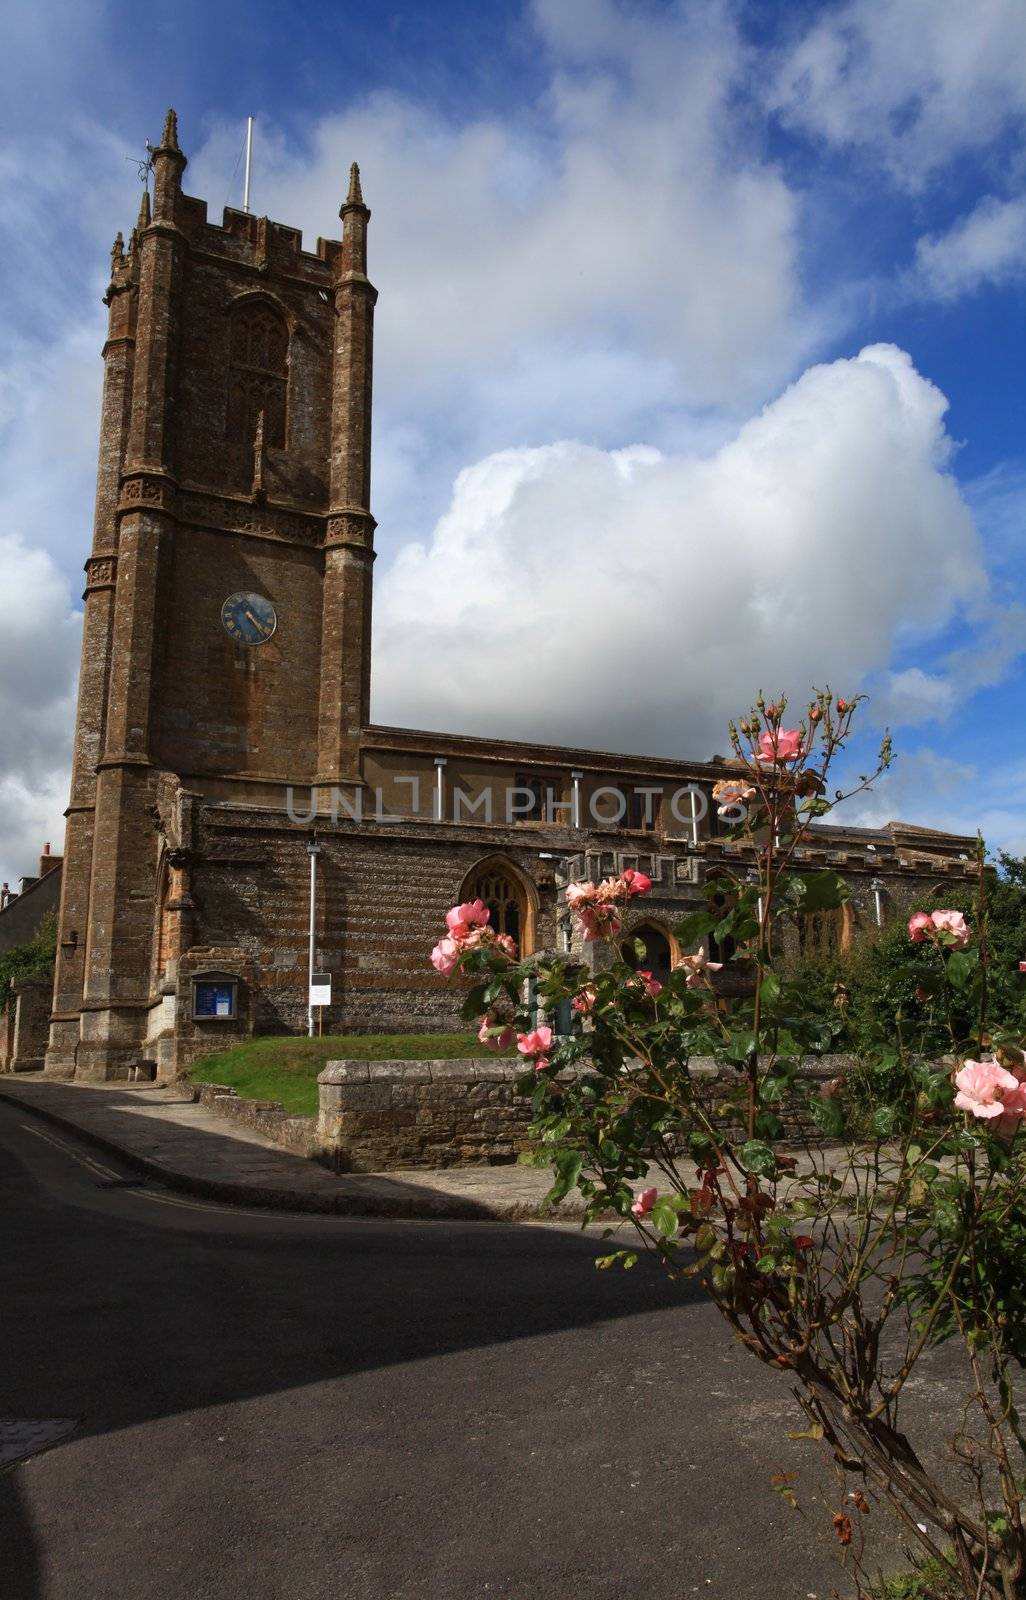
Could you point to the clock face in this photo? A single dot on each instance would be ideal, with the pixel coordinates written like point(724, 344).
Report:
point(248, 618)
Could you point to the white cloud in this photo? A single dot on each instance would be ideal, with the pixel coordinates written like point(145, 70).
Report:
point(39, 647)
point(935, 790)
point(618, 245)
point(986, 247)
point(913, 82)
point(631, 600)
point(914, 696)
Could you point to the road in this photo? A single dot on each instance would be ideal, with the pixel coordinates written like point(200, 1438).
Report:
point(291, 1408)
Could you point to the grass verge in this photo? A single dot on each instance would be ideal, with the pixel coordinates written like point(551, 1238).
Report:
point(285, 1069)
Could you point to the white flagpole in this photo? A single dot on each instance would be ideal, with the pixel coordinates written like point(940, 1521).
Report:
point(249, 162)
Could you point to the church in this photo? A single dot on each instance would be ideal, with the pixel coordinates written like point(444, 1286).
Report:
point(236, 820)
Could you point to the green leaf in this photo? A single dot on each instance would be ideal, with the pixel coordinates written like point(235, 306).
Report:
point(474, 1005)
point(828, 1115)
point(768, 1125)
point(770, 988)
point(757, 1157)
point(767, 1264)
point(820, 891)
point(664, 1218)
point(568, 1164)
point(884, 1121)
point(961, 966)
point(695, 926)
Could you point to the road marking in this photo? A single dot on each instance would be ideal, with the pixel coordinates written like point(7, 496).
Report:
point(194, 1205)
point(83, 1161)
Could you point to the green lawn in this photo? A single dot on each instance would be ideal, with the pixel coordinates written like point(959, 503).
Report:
point(285, 1069)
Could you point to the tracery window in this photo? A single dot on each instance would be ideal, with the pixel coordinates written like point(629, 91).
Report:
point(258, 377)
point(504, 899)
point(826, 933)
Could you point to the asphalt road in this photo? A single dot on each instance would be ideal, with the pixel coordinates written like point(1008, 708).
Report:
point(290, 1408)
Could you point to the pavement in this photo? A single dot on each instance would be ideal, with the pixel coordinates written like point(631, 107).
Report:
point(165, 1134)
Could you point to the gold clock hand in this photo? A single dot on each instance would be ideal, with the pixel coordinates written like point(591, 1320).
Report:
point(256, 624)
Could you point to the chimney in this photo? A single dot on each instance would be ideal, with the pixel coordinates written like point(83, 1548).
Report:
point(47, 862)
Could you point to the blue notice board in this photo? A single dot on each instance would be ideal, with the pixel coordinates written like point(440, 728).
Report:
point(214, 1000)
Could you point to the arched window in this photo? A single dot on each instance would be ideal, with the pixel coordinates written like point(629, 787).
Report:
point(258, 377)
point(826, 933)
point(658, 957)
point(499, 894)
point(507, 898)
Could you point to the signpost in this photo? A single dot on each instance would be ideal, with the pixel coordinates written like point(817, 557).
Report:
point(320, 995)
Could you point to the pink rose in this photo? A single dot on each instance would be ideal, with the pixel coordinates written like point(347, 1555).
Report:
point(534, 1043)
point(919, 926)
point(584, 1002)
point(986, 1090)
point(635, 882)
point(697, 967)
point(730, 794)
point(445, 956)
point(651, 985)
point(644, 1203)
point(780, 744)
point(495, 1041)
point(1022, 966)
point(462, 920)
point(954, 923)
point(507, 944)
point(579, 894)
point(600, 922)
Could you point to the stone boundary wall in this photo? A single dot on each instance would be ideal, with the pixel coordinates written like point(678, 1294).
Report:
point(377, 1115)
point(263, 1116)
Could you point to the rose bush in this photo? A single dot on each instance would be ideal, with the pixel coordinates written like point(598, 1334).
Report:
point(899, 1223)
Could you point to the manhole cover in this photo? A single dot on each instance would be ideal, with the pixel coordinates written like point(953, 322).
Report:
point(26, 1436)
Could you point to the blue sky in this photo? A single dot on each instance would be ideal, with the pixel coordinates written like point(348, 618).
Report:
point(700, 355)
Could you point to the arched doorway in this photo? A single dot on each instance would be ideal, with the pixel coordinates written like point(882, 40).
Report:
point(658, 957)
point(510, 904)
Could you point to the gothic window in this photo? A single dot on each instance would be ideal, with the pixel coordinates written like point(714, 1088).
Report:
point(826, 933)
point(258, 377)
point(658, 957)
point(504, 900)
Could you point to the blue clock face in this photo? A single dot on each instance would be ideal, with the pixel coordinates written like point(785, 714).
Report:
point(248, 618)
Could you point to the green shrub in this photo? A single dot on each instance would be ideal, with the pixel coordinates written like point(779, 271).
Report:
point(34, 959)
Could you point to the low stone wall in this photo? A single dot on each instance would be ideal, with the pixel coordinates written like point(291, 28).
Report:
point(377, 1115)
point(383, 1114)
point(263, 1116)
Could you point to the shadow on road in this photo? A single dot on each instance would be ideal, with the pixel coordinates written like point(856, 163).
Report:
point(115, 1321)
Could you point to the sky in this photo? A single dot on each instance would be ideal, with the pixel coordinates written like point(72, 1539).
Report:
point(699, 357)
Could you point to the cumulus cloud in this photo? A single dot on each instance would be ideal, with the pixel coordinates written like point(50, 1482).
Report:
point(615, 257)
point(935, 790)
point(986, 247)
point(631, 600)
point(39, 647)
point(912, 82)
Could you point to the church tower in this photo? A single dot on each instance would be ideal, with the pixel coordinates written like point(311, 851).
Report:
point(226, 648)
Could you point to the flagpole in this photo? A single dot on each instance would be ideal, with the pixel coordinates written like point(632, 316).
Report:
point(249, 162)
